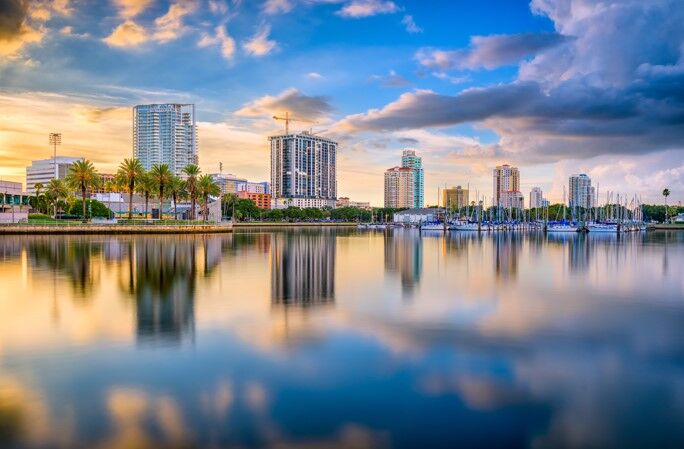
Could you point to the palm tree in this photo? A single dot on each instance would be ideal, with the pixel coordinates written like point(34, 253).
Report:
point(177, 191)
point(161, 174)
point(82, 176)
point(109, 187)
point(666, 193)
point(38, 187)
point(206, 187)
point(130, 171)
point(56, 190)
point(146, 187)
point(192, 172)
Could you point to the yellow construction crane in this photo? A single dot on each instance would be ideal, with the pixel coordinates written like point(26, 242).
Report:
point(287, 119)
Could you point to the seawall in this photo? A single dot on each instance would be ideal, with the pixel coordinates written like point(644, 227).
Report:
point(19, 229)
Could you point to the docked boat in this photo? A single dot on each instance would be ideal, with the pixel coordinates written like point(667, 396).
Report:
point(603, 227)
point(466, 226)
point(432, 226)
point(562, 227)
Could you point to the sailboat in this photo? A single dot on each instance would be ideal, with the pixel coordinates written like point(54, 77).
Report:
point(562, 226)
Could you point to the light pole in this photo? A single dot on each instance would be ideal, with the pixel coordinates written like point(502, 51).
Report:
point(55, 139)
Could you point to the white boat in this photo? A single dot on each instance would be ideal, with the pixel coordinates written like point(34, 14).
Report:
point(561, 227)
point(435, 226)
point(603, 227)
point(466, 227)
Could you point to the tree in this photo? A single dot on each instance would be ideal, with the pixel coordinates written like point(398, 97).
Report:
point(82, 177)
point(145, 186)
point(666, 193)
point(192, 172)
point(109, 187)
point(177, 191)
point(130, 171)
point(97, 209)
point(55, 191)
point(161, 176)
point(38, 188)
point(206, 187)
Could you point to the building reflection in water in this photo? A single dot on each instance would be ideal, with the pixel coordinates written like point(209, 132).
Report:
point(507, 247)
point(404, 255)
point(303, 268)
point(164, 273)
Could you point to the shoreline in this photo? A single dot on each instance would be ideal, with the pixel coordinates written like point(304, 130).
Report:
point(32, 229)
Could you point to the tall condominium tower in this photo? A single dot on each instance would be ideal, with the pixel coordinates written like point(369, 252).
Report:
point(303, 170)
point(455, 197)
point(580, 192)
point(536, 198)
point(506, 179)
point(165, 134)
point(411, 160)
point(400, 187)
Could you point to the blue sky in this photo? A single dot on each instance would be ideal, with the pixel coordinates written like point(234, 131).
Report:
point(554, 86)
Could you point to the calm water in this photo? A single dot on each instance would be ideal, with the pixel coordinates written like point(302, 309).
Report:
point(342, 340)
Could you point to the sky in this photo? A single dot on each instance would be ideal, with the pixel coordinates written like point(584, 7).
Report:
point(554, 87)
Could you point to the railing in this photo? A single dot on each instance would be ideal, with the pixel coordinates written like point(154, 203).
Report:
point(126, 222)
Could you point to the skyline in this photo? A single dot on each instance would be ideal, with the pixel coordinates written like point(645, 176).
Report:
point(552, 89)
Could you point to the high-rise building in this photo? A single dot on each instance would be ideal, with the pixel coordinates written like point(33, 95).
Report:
point(580, 192)
point(42, 171)
point(455, 197)
point(536, 198)
point(411, 160)
point(165, 134)
point(303, 170)
point(400, 187)
point(227, 183)
point(512, 199)
point(253, 187)
point(506, 179)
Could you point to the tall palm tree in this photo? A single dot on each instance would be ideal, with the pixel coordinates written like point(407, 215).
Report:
point(177, 191)
point(55, 191)
point(192, 171)
point(82, 176)
point(38, 187)
point(161, 175)
point(130, 171)
point(146, 187)
point(666, 193)
point(206, 187)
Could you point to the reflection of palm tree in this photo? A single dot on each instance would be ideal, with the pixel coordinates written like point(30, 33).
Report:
point(666, 193)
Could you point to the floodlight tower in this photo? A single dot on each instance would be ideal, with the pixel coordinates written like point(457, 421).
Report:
point(55, 139)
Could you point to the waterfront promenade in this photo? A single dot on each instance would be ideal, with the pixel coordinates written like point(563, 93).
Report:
point(113, 229)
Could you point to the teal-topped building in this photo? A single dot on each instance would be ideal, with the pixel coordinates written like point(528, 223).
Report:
point(414, 162)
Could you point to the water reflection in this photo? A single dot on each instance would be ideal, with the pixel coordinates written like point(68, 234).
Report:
point(553, 341)
point(303, 268)
point(404, 255)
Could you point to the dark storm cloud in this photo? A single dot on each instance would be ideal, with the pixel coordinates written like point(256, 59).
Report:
point(12, 15)
point(290, 100)
point(490, 51)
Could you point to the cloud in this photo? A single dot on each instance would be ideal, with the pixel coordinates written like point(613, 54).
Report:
point(131, 8)
point(410, 24)
point(218, 7)
point(290, 100)
point(259, 44)
point(392, 79)
point(273, 7)
point(579, 98)
point(314, 76)
point(170, 25)
point(366, 8)
point(21, 24)
point(222, 39)
point(490, 51)
point(452, 79)
point(127, 34)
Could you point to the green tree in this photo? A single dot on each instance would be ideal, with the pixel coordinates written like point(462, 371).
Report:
point(666, 193)
point(192, 172)
point(146, 187)
point(161, 176)
point(38, 188)
point(206, 187)
point(97, 208)
point(82, 177)
point(129, 173)
point(55, 192)
point(177, 191)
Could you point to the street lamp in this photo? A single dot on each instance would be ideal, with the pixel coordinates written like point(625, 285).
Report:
point(55, 139)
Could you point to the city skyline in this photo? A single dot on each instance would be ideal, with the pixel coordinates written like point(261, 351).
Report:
point(390, 75)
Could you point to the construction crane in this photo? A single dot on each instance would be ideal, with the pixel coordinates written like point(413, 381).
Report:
point(287, 119)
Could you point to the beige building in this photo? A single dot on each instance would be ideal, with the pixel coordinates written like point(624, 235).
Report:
point(455, 197)
point(399, 187)
point(506, 179)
